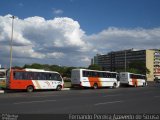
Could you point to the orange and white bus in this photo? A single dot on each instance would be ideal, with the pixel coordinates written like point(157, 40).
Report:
point(31, 79)
point(132, 79)
point(3, 78)
point(94, 78)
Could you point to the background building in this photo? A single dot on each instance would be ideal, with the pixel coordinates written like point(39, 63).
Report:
point(120, 60)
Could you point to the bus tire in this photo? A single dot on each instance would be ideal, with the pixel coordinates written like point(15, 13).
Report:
point(114, 85)
point(95, 86)
point(30, 88)
point(59, 88)
point(135, 85)
point(144, 84)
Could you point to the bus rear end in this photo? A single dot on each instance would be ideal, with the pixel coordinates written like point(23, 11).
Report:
point(76, 78)
point(124, 78)
point(16, 81)
point(2, 78)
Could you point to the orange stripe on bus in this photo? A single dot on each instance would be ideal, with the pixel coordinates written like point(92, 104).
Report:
point(38, 85)
point(93, 80)
point(134, 82)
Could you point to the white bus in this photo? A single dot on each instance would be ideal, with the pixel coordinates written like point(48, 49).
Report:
point(3, 78)
point(132, 79)
point(31, 79)
point(94, 78)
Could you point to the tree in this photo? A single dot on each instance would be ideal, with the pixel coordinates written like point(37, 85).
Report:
point(67, 71)
point(133, 70)
point(95, 67)
point(63, 70)
point(34, 65)
point(138, 67)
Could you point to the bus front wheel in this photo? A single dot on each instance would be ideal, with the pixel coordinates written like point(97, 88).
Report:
point(59, 88)
point(30, 89)
point(114, 85)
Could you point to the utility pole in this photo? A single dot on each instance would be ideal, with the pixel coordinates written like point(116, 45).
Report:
point(11, 43)
point(125, 60)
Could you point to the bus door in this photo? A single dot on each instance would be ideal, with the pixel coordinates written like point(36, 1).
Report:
point(52, 81)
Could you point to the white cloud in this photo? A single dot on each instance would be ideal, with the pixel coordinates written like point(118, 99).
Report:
point(36, 38)
point(57, 11)
point(86, 59)
point(57, 55)
point(113, 39)
point(61, 41)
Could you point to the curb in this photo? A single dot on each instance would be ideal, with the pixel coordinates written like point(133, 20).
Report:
point(66, 89)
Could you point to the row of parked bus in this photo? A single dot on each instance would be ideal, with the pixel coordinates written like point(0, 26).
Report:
point(32, 79)
point(96, 79)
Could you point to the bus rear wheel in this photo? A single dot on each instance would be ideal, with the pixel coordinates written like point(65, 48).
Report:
point(30, 88)
point(144, 84)
point(59, 88)
point(95, 86)
point(135, 85)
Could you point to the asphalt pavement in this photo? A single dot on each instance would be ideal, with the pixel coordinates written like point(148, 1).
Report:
point(86, 101)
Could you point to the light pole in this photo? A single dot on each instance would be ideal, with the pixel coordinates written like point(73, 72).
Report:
point(125, 60)
point(13, 17)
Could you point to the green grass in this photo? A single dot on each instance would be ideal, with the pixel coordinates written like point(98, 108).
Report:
point(67, 84)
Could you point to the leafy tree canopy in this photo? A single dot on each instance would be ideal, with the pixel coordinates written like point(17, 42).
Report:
point(95, 67)
point(138, 67)
point(63, 70)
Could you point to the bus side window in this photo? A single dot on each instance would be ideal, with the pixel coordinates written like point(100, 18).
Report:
point(45, 76)
point(85, 74)
point(104, 75)
point(89, 74)
point(30, 75)
point(42, 76)
point(95, 74)
point(34, 74)
point(108, 75)
point(48, 76)
point(100, 74)
point(17, 76)
point(56, 77)
point(52, 76)
point(132, 76)
point(113, 75)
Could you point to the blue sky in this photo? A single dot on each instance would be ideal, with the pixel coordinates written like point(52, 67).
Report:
point(93, 15)
point(71, 32)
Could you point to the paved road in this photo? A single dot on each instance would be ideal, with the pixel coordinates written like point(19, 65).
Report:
point(122, 100)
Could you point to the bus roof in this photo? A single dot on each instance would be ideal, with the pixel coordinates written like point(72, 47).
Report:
point(132, 73)
point(34, 70)
point(94, 70)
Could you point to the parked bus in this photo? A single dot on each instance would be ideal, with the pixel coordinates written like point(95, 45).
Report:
point(31, 79)
point(94, 78)
point(3, 78)
point(132, 79)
